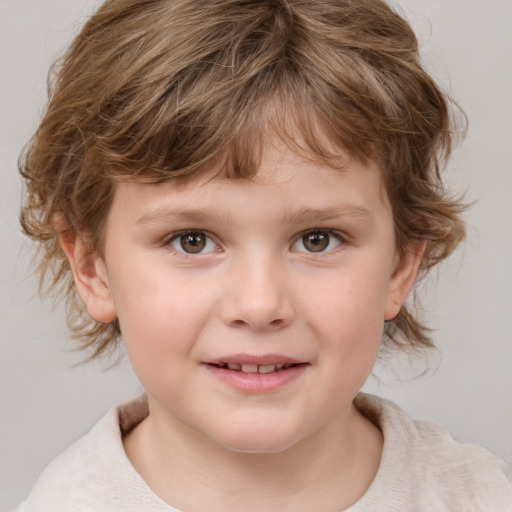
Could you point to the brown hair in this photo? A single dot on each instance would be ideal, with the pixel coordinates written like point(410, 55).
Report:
point(155, 89)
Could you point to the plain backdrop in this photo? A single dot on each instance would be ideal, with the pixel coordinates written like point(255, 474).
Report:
point(47, 400)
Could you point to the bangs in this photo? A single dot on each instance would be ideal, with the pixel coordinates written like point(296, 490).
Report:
point(161, 90)
point(233, 142)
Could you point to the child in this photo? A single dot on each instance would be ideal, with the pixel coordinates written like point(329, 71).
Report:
point(245, 193)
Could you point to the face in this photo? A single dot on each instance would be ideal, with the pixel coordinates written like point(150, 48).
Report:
point(252, 310)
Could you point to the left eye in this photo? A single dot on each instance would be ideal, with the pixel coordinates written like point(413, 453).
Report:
point(193, 242)
point(317, 241)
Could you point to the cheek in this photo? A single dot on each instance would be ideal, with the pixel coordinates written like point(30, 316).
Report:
point(160, 315)
point(347, 315)
point(350, 303)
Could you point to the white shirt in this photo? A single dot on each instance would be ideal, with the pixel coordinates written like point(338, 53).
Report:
point(422, 469)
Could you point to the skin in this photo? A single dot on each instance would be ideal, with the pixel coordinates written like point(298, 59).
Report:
point(255, 289)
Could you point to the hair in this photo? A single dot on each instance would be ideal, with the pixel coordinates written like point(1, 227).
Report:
point(152, 90)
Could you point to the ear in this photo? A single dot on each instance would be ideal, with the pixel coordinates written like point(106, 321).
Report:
point(402, 280)
point(89, 272)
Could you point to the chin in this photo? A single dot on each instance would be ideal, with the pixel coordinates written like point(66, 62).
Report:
point(266, 439)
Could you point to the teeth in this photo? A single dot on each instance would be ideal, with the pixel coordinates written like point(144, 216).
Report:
point(250, 368)
point(268, 368)
point(254, 368)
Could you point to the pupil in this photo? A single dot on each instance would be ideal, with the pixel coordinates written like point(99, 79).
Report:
point(193, 242)
point(316, 241)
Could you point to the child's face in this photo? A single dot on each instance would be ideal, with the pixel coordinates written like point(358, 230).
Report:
point(296, 266)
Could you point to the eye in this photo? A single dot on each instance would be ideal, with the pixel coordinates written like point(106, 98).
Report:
point(318, 240)
point(193, 242)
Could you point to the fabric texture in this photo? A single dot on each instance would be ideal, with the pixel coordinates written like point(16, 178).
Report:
point(422, 469)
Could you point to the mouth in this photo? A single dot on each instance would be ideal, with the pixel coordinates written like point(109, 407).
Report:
point(255, 368)
point(256, 374)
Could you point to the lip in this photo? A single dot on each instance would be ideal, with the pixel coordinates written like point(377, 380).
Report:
point(263, 359)
point(255, 383)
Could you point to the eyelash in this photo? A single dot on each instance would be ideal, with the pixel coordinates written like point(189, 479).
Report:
point(329, 232)
point(177, 236)
point(340, 240)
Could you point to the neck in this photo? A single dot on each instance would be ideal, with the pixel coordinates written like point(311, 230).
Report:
point(329, 470)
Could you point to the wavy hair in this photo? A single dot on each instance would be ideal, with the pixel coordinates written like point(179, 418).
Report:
point(151, 90)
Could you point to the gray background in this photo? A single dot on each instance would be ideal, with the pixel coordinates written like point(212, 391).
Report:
point(47, 400)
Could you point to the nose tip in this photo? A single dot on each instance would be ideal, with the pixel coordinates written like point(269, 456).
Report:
point(260, 302)
point(260, 323)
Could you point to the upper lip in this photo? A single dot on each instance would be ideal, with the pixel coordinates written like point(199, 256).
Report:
point(260, 360)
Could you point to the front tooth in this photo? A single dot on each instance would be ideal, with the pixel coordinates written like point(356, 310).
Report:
point(279, 366)
point(269, 368)
point(234, 366)
point(250, 368)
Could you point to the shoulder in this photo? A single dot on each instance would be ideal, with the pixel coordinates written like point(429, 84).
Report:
point(94, 473)
point(428, 467)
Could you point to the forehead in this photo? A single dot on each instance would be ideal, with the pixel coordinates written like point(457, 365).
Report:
point(283, 185)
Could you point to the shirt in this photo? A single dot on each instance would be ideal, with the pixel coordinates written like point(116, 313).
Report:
point(422, 469)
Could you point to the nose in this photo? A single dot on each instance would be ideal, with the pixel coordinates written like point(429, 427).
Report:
point(257, 295)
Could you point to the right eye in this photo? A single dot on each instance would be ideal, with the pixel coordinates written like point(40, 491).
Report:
point(317, 241)
point(193, 242)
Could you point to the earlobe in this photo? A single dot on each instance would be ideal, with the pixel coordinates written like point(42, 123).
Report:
point(403, 278)
point(89, 274)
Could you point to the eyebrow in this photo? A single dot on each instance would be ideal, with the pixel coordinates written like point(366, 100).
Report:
point(307, 214)
point(182, 215)
point(302, 215)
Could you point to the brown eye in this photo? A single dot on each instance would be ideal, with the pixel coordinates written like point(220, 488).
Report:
point(319, 240)
point(193, 242)
point(316, 241)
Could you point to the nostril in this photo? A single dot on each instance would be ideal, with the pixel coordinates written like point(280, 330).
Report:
point(238, 323)
point(273, 324)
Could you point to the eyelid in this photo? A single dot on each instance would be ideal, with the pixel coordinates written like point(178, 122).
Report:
point(342, 239)
point(168, 240)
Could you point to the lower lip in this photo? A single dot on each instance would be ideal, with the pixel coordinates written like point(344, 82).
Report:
point(257, 382)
